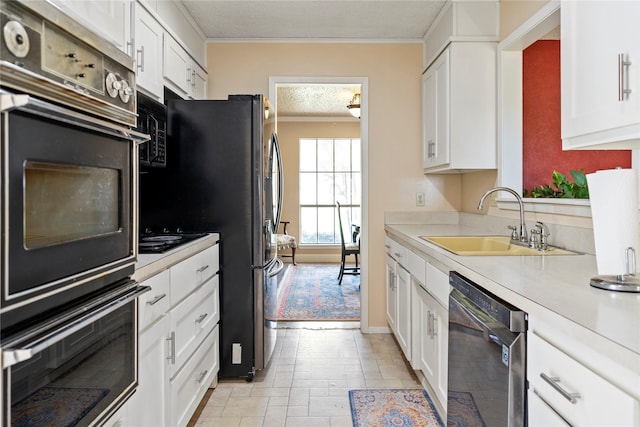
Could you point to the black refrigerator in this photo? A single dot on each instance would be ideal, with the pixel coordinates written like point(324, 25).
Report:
point(227, 179)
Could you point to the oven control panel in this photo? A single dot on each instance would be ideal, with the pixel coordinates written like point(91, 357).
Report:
point(44, 52)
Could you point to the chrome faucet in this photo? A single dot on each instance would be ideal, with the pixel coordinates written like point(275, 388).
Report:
point(523, 228)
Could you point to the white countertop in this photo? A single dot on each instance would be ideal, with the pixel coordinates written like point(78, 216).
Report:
point(559, 283)
point(151, 264)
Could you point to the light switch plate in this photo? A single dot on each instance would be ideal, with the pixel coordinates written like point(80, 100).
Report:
point(420, 198)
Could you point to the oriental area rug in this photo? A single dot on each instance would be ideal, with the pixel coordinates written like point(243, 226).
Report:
point(56, 406)
point(393, 408)
point(312, 292)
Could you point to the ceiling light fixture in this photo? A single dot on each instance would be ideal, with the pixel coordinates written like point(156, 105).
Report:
point(354, 106)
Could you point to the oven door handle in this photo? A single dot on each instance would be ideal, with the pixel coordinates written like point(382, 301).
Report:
point(26, 350)
point(10, 101)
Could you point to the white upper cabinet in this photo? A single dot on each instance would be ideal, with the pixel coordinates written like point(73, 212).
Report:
point(600, 66)
point(109, 18)
point(459, 88)
point(148, 52)
point(183, 73)
point(459, 109)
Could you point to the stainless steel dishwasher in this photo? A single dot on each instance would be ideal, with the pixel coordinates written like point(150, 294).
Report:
point(487, 351)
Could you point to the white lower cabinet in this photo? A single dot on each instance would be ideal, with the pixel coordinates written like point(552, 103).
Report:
point(403, 310)
point(153, 377)
point(391, 305)
point(417, 313)
point(190, 384)
point(430, 324)
point(573, 391)
point(192, 320)
point(178, 345)
point(541, 414)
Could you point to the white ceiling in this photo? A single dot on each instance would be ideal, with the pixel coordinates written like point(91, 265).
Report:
point(324, 19)
point(329, 20)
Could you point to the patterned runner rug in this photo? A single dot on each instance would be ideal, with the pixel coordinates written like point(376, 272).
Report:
point(393, 408)
point(312, 292)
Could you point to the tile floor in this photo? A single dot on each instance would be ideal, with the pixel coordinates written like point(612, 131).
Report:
point(308, 381)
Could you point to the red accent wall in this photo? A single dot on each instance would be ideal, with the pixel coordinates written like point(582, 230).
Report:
point(542, 143)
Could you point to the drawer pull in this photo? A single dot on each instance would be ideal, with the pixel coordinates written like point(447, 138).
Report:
point(203, 268)
point(201, 318)
point(398, 254)
point(156, 299)
point(202, 376)
point(553, 382)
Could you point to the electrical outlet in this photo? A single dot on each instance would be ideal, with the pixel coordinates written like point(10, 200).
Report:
point(236, 353)
point(420, 198)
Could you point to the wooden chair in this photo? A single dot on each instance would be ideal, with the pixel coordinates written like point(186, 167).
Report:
point(287, 241)
point(348, 248)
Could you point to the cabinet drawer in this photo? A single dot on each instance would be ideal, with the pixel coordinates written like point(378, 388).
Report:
point(438, 285)
point(580, 396)
point(541, 414)
point(193, 272)
point(396, 251)
point(192, 320)
point(417, 267)
point(153, 305)
point(190, 385)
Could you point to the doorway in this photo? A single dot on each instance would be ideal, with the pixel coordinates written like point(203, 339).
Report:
point(334, 86)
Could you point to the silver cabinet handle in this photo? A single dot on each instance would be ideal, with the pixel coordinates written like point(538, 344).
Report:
point(553, 382)
point(25, 346)
point(172, 348)
point(203, 268)
point(201, 317)
point(623, 83)
point(156, 299)
point(431, 149)
point(193, 78)
point(398, 254)
point(140, 52)
point(202, 376)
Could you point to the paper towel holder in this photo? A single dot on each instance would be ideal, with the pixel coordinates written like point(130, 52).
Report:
point(622, 282)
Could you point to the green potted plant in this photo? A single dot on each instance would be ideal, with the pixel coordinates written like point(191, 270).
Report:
point(562, 187)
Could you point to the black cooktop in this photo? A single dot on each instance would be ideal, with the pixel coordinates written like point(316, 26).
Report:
point(157, 243)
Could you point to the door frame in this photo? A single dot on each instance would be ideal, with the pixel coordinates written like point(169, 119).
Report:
point(364, 161)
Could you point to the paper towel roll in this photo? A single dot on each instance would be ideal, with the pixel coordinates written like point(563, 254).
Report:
point(614, 209)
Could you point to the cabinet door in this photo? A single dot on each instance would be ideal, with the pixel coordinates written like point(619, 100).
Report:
point(440, 320)
point(177, 65)
point(598, 38)
point(541, 414)
point(436, 110)
point(391, 292)
point(108, 18)
point(198, 82)
point(148, 52)
point(191, 321)
point(191, 383)
point(403, 310)
point(574, 391)
point(432, 346)
point(427, 351)
point(147, 406)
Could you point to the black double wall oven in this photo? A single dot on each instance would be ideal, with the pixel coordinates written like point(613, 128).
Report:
point(69, 156)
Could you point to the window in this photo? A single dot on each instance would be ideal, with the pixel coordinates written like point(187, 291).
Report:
point(329, 173)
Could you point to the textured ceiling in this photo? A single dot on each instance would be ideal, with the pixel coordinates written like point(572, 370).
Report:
point(319, 100)
point(353, 20)
point(318, 19)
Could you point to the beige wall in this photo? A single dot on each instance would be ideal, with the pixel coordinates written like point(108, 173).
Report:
point(394, 143)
